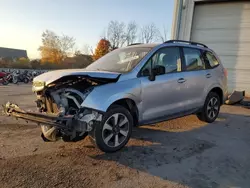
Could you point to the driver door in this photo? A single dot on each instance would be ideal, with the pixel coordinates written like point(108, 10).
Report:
point(162, 96)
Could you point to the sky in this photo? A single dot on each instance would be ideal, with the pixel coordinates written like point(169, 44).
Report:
point(23, 21)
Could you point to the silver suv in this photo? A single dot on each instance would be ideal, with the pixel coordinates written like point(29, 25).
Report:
point(136, 85)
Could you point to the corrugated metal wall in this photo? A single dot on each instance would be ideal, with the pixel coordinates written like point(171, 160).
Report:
point(225, 27)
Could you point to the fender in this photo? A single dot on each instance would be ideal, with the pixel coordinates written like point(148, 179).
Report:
point(103, 96)
point(120, 96)
point(210, 88)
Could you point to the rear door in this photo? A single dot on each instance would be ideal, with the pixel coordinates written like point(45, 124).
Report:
point(196, 77)
point(216, 71)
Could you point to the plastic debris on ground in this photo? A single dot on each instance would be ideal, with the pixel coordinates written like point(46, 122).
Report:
point(235, 97)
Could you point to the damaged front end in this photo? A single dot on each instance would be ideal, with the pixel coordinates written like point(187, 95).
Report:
point(60, 111)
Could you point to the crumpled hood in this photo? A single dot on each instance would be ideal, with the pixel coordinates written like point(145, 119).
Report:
point(52, 76)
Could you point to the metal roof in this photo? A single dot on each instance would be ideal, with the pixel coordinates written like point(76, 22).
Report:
point(12, 53)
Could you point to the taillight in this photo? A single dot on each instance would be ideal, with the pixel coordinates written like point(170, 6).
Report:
point(225, 72)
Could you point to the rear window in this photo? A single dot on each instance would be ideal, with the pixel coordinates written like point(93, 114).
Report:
point(213, 62)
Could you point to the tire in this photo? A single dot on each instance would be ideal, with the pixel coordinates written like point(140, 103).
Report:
point(15, 80)
point(26, 80)
point(5, 82)
point(121, 131)
point(211, 108)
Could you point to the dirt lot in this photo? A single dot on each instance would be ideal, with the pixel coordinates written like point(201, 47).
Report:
point(178, 153)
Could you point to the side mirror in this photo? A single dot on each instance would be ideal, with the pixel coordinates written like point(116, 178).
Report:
point(151, 77)
point(145, 72)
point(159, 70)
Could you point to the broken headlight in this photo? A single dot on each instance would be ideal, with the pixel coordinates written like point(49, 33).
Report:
point(38, 86)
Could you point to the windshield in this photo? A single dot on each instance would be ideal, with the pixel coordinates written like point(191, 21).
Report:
point(120, 60)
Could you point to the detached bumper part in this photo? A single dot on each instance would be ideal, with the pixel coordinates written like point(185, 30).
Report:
point(55, 126)
point(59, 122)
point(50, 124)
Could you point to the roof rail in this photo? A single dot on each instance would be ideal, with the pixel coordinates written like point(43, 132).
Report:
point(187, 42)
point(135, 44)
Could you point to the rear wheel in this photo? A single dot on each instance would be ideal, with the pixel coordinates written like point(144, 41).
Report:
point(211, 108)
point(114, 131)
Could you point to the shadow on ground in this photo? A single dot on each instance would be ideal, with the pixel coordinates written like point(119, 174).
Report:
point(210, 156)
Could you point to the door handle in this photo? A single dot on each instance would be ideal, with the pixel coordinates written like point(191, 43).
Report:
point(181, 80)
point(208, 75)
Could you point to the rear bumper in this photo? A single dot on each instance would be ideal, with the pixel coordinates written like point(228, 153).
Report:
point(13, 110)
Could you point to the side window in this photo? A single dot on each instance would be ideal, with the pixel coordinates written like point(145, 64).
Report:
point(167, 58)
point(211, 59)
point(193, 59)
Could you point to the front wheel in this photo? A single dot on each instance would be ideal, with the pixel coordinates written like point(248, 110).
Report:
point(211, 108)
point(114, 131)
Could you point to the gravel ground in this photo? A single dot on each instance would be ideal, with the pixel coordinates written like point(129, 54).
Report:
point(180, 153)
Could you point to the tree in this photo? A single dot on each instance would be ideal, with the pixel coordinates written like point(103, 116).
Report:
point(103, 47)
point(77, 53)
point(35, 64)
point(131, 33)
point(22, 63)
point(87, 49)
point(23, 60)
point(66, 44)
point(55, 48)
point(149, 33)
point(163, 36)
point(5, 63)
point(116, 34)
point(119, 34)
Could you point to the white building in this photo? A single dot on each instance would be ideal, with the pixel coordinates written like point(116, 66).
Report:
point(224, 26)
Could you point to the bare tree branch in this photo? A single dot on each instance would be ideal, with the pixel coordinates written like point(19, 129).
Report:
point(87, 49)
point(163, 36)
point(116, 34)
point(149, 33)
point(131, 33)
point(66, 44)
point(91, 50)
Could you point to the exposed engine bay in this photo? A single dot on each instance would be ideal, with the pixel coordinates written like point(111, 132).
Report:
point(60, 113)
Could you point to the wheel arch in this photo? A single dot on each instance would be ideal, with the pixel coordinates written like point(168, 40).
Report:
point(130, 105)
point(218, 91)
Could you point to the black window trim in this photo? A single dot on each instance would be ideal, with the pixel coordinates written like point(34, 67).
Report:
point(184, 60)
point(180, 53)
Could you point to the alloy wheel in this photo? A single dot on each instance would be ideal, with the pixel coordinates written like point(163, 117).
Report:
point(213, 108)
point(115, 130)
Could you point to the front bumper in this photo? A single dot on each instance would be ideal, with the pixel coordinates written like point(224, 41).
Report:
point(63, 122)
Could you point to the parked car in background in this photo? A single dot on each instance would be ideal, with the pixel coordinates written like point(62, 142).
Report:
point(136, 85)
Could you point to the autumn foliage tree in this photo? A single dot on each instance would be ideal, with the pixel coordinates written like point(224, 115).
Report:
point(55, 48)
point(103, 47)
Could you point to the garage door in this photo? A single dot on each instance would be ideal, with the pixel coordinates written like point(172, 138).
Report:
point(225, 27)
